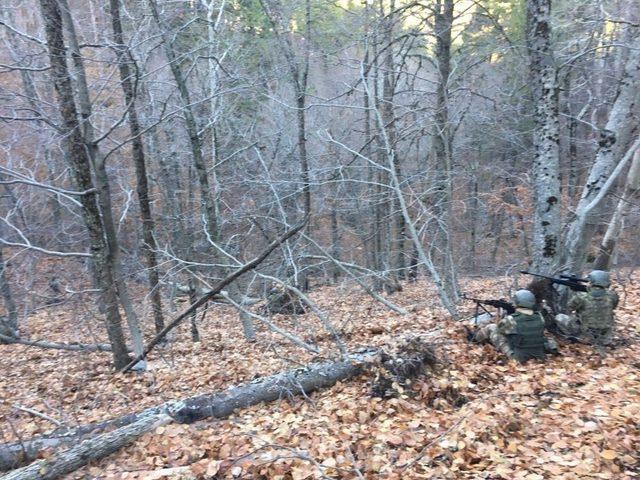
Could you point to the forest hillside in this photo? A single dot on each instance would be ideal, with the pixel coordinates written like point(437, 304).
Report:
point(290, 239)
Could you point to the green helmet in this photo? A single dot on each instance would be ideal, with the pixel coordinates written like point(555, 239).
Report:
point(599, 278)
point(524, 299)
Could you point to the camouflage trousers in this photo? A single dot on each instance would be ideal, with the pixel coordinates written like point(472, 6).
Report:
point(489, 333)
point(570, 326)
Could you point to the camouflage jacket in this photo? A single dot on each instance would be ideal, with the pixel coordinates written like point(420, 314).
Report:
point(594, 308)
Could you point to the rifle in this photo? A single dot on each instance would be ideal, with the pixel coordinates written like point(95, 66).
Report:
point(575, 283)
point(501, 303)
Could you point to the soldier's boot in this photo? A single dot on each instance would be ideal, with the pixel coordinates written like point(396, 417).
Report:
point(551, 346)
point(568, 326)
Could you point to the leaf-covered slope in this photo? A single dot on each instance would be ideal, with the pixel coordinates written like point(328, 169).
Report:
point(477, 416)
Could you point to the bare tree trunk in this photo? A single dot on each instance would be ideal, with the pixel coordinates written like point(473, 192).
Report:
point(396, 242)
point(101, 179)
point(214, 67)
point(496, 228)
point(442, 141)
point(126, 81)
point(571, 149)
point(631, 189)
point(237, 295)
point(384, 198)
point(614, 139)
point(81, 163)
point(335, 241)
point(475, 211)
point(195, 141)
point(546, 137)
point(372, 234)
point(8, 324)
point(193, 298)
point(299, 77)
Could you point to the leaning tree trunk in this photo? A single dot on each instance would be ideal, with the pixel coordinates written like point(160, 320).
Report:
point(81, 166)
point(137, 151)
point(614, 139)
point(631, 190)
point(546, 138)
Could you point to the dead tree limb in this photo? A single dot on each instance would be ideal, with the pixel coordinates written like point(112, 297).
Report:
point(214, 291)
point(72, 347)
point(92, 449)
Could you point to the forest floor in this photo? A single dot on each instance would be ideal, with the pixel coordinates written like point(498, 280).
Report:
point(474, 416)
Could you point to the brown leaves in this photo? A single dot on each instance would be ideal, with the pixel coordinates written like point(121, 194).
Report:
point(475, 416)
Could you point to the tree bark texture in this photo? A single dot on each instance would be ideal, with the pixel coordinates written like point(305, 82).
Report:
point(8, 324)
point(546, 137)
point(613, 142)
point(81, 165)
point(442, 142)
point(137, 150)
point(631, 190)
point(100, 177)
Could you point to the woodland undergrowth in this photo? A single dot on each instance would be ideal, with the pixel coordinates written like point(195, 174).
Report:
point(474, 415)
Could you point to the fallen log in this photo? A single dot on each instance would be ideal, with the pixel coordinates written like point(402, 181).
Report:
point(301, 381)
point(17, 454)
point(218, 405)
point(87, 451)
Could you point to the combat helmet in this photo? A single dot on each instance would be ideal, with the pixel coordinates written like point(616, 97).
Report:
point(599, 278)
point(524, 299)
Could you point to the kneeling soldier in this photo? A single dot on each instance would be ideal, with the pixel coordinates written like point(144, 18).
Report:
point(519, 335)
point(591, 320)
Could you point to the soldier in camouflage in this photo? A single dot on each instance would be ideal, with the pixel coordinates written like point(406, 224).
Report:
point(591, 319)
point(520, 335)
